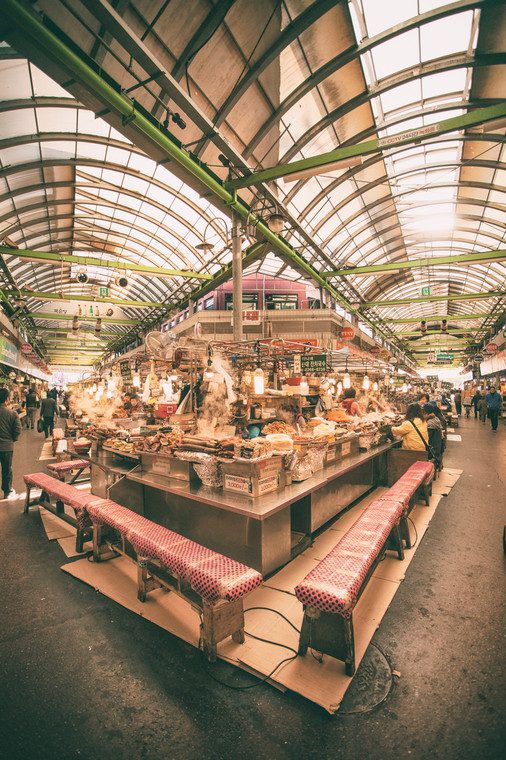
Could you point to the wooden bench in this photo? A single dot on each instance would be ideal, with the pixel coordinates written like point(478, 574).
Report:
point(62, 493)
point(331, 590)
point(415, 481)
point(73, 466)
point(213, 584)
point(58, 435)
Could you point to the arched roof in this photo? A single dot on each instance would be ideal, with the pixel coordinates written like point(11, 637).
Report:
point(236, 87)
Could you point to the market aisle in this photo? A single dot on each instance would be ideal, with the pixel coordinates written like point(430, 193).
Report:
point(86, 678)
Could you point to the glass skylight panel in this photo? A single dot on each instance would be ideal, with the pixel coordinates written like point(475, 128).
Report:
point(380, 16)
point(398, 97)
point(14, 80)
point(293, 69)
point(444, 83)
point(57, 149)
point(396, 54)
point(446, 36)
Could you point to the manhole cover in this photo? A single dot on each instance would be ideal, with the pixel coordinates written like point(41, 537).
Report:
point(371, 683)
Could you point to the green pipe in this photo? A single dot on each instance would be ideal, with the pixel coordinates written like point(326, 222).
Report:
point(24, 253)
point(437, 318)
point(57, 297)
point(469, 258)
point(67, 317)
point(425, 299)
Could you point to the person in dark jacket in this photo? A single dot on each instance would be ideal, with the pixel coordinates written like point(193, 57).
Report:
point(47, 412)
point(475, 401)
point(10, 430)
point(435, 432)
point(32, 404)
point(493, 401)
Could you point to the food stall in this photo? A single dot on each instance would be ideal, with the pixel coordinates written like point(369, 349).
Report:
point(222, 467)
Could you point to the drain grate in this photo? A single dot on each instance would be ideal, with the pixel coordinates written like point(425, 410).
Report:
point(371, 683)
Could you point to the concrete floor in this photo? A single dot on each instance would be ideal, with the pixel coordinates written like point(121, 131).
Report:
point(83, 677)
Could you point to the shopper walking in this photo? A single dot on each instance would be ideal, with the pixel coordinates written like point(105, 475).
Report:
point(47, 412)
point(493, 401)
point(10, 430)
point(475, 401)
point(482, 409)
point(32, 404)
point(458, 402)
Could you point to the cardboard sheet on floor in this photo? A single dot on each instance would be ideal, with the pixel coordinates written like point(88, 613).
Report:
point(46, 451)
point(54, 527)
point(323, 682)
point(454, 437)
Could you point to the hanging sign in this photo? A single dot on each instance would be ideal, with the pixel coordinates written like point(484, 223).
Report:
point(375, 350)
point(384, 353)
point(478, 358)
point(347, 333)
point(124, 368)
point(308, 363)
point(430, 129)
point(251, 317)
point(491, 348)
point(26, 348)
point(432, 378)
point(444, 357)
point(197, 329)
point(425, 291)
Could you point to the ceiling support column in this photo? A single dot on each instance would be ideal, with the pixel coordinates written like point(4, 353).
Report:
point(236, 277)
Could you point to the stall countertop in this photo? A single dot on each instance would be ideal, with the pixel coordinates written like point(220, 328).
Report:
point(261, 507)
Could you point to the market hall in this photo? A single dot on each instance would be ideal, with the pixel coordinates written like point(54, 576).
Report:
point(253, 297)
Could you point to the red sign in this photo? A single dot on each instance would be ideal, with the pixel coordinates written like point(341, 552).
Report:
point(26, 348)
point(375, 350)
point(492, 348)
point(347, 333)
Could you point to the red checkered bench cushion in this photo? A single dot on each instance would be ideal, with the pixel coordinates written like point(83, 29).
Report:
point(151, 539)
point(78, 500)
point(108, 512)
point(58, 434)
point(60, 468)
point(335, 584)
point(223, 578)
point(210, 574)
point(424, 468)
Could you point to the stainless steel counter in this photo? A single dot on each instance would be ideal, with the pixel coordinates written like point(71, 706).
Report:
point(264, 532)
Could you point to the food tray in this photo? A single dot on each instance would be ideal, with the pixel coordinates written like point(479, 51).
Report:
point(127, 454)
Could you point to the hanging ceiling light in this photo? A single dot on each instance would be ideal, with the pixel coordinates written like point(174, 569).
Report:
point(136, 380)
point(444, 325)
point(423, 326)
point(375, 386)
point(339, 388)
point(258, 381)
point(366, 383)
point(75, 324)
point(275, 222)
point(98, 327)
point(346, 376)
point(82, 277)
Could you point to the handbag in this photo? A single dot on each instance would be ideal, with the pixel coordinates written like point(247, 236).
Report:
point(40, 425)
point(428, 448)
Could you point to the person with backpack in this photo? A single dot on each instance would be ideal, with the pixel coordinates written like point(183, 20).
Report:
point(32, 404)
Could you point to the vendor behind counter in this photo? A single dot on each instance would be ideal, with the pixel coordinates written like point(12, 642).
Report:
point(290, 413)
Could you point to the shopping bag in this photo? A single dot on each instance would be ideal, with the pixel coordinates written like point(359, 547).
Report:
point(40, 425)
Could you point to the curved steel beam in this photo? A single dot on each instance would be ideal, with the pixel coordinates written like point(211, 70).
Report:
point(343, 59)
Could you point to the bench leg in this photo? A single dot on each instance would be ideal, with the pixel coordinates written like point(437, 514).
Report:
point(59, 508)
point(27, 500)
point(97, 540)
point(145, 581)
point(218, 623)
point(330, 634)
point(404, 528)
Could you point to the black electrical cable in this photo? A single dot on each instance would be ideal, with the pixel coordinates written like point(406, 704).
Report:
point(269, 609)
point(265, 641)
point(416, 533)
